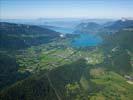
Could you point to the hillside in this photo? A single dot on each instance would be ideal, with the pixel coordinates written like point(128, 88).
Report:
point(14, 38)
point(120, 24)
point(75, 81)
point(119, 49)
point(114, 26)
point(18, 36)
point(90, 27)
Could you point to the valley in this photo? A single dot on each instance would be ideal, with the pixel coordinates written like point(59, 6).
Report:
point(37, 63)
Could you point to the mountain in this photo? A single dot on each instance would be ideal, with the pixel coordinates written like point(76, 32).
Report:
point(90, 27)
point(119, 49)
point(120, 24)
point(18, 36)
point(112, 26)
point(121, 38)
point(57, 22)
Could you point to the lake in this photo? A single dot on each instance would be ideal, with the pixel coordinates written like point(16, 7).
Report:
point(83, 40)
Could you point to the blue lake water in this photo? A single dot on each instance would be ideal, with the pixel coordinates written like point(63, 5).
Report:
point(83, 40)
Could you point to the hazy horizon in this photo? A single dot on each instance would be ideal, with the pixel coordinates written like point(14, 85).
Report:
point(86, 9)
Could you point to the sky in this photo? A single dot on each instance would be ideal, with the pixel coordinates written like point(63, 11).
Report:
point(30, 9)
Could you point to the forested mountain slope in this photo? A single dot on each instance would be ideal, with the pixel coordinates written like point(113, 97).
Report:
point(18, 36)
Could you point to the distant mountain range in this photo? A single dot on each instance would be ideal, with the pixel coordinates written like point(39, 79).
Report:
point(120, 24)
point(92, 27)
point(56, 22)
